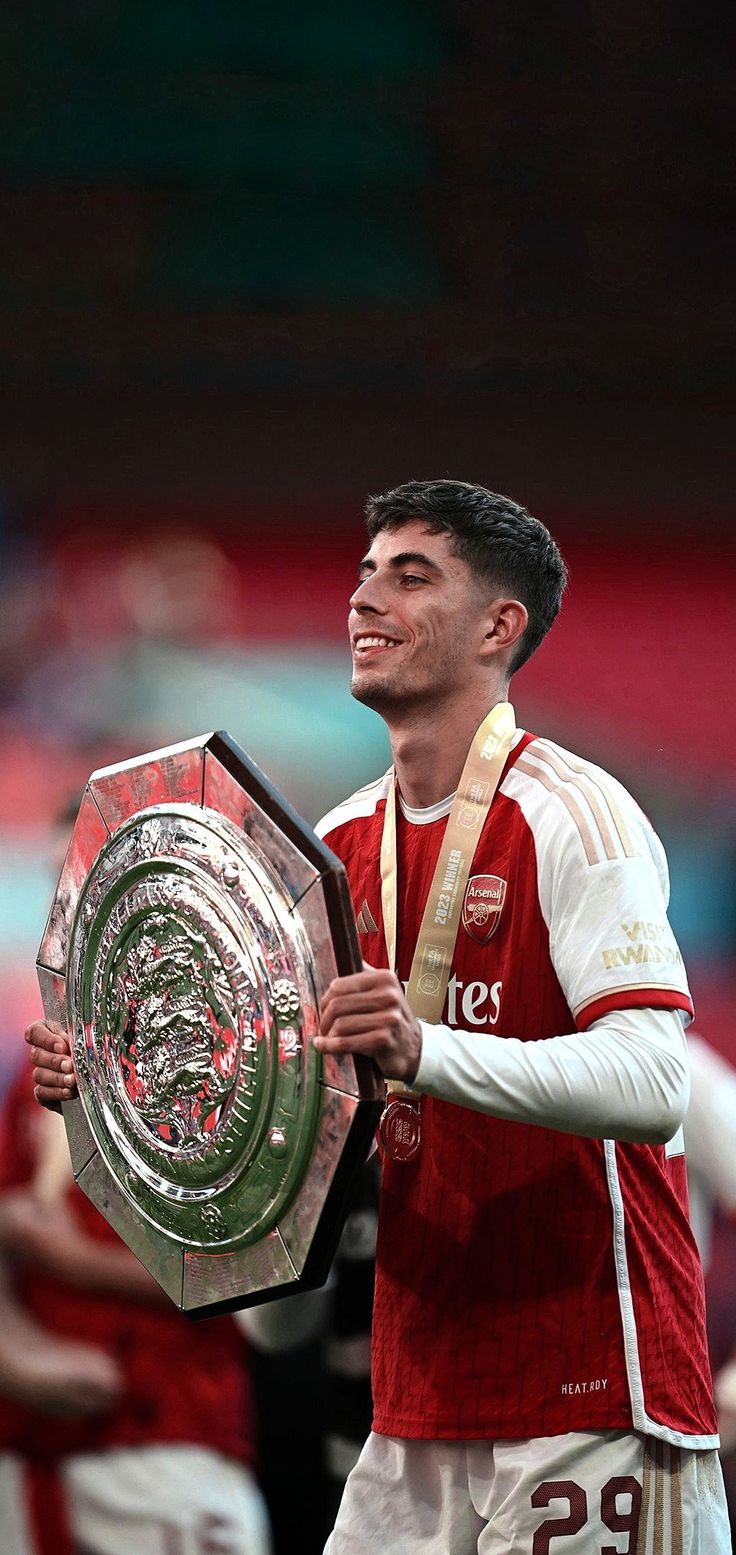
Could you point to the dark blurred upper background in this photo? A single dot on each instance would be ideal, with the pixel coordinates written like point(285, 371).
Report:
point(257, 260)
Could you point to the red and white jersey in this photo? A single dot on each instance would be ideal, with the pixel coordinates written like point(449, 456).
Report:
point(529, 1281)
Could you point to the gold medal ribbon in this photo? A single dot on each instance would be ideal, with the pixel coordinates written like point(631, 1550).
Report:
point(435, 947)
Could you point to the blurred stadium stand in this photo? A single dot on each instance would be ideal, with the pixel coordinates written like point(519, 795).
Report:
point(418, 193)
point(156, 622)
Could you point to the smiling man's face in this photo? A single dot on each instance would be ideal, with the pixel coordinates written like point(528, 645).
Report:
point(417, 620)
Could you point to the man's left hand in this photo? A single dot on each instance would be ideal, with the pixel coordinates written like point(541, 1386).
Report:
point(368, 1013)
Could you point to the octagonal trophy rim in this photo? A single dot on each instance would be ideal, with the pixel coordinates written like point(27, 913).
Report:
point(295, 1252)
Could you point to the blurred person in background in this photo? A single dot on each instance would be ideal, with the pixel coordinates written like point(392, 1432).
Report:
point(710, 1139)
point(125, 1429)
point(350, 1403)
point(311, 1369)
point(710, 1136)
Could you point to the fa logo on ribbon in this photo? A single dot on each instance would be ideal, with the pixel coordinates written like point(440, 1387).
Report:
point(484, 899)
point(429, 980)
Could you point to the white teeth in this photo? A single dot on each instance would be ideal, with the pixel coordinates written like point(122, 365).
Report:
point(376, 642)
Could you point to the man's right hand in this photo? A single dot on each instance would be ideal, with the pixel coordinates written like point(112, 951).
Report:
point(53, 1070)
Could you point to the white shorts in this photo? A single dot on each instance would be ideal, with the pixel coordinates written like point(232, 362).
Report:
point(577, 1494)
point(166, 1500)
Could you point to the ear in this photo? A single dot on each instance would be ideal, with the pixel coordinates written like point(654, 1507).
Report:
point(508, 620)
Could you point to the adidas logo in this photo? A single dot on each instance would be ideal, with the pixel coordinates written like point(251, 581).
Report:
point(366, 921)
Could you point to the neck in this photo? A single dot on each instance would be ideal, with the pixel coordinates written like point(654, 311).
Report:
point(430, 748)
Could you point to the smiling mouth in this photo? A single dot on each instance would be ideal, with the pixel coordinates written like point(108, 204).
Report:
point(373, 643)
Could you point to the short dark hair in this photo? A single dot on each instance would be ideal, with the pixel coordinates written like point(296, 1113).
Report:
point(495, 536)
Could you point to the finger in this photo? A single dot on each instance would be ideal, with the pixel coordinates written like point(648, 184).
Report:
point(41, 1035)
point(55, 1084)
point(373, 1002)
point(355, 1025)
point(371, 1042)
point(54, 1063)
point(374, 985)
point(51, 1100)
point(380, 1012)
point(355, 982)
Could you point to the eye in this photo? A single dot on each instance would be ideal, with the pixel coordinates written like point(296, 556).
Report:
point(412, 579)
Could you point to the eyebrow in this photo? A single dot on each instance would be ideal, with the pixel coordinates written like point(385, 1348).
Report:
point(402, 559)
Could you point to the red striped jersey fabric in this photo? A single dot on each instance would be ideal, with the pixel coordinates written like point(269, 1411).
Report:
point(531, 1282)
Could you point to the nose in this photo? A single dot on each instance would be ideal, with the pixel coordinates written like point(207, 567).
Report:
point(367, 596)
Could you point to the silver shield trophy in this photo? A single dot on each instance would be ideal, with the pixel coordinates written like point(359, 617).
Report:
point(196, 924)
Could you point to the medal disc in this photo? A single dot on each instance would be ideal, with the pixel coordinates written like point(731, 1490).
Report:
point(401, 1128)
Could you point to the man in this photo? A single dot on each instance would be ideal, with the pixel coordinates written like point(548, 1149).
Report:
point(539, 1366)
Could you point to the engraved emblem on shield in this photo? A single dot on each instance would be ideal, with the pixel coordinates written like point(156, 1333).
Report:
point(196, 924)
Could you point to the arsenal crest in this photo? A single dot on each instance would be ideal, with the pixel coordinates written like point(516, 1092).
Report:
point(484, 899)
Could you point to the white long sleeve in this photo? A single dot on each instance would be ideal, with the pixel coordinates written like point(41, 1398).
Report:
point(626, 1077)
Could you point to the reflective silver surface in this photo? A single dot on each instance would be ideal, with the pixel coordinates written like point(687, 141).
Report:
point(195, 927)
